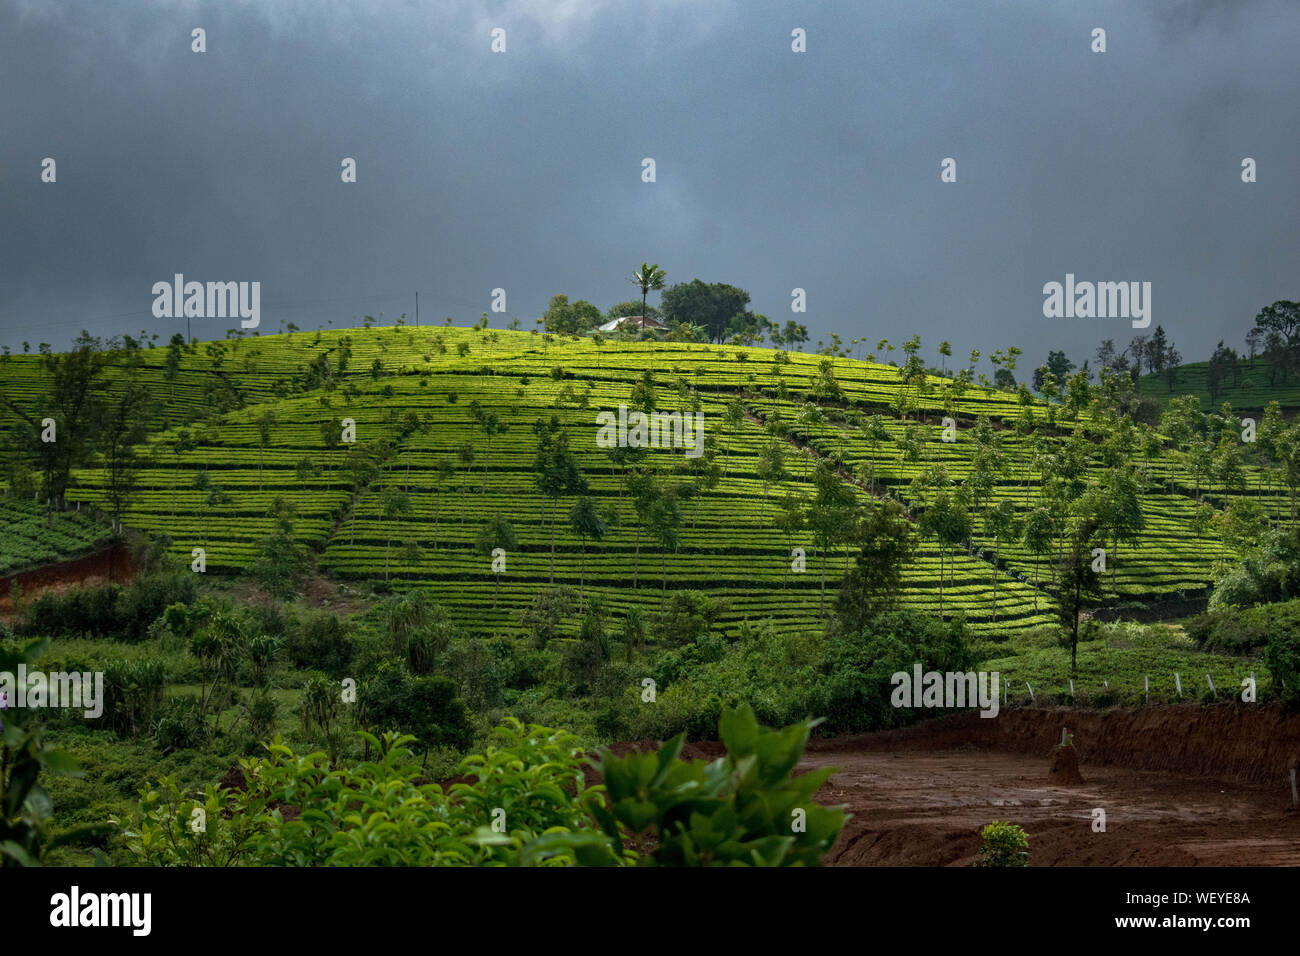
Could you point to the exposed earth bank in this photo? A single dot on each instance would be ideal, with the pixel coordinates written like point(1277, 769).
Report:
point(113, 564)
point(1179, 786)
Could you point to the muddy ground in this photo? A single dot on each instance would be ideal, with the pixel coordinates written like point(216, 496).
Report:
point(926, 809)
point(1180, 786)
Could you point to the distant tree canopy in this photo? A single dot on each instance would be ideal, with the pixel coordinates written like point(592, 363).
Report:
point(720, 309)
point(1224, 366)
point(1058, 364)
point(571, 318)
point(1277, 328)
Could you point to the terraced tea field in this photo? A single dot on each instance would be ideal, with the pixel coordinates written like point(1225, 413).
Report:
point(243, 423)
point(30, 538)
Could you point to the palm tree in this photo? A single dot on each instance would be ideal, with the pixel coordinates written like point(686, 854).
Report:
point(647, 278)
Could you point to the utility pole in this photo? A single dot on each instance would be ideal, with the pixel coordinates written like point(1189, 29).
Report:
point(417, 310)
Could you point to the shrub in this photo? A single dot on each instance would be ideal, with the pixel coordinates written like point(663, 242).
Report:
point(527, 804)
point(690, 616)
point(1270, 572)
point(262, 713)
point(1003, 844)
point(1282, 658)
point(858, 683)
point(178, 725)
point(133, 691)
point(323, 642)
point(545, 616)
point(481, 669)
point(426, 708)
point(148, 597)
point(1243, 630)
point(110, 610)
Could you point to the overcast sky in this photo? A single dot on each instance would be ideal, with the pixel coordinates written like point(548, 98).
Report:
point(775, 169)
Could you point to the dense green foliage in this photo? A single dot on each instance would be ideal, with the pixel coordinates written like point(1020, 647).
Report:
point(111, 610)
point(527, 804)
point(26, 809)
point(1243, 630)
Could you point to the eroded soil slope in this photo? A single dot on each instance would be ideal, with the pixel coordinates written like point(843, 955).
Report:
point(1180, 786)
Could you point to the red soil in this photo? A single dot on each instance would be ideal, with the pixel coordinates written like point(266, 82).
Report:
point(113, 565)
point(1180, 786)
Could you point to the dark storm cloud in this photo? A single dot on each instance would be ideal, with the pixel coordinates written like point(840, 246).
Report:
point(775, 170)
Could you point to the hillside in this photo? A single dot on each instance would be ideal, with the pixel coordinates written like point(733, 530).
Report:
point(1252, 393)
point(29, 537)
point(411, 392)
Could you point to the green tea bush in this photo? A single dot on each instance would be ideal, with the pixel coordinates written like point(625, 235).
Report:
point(744, 809)
point(1003, 844)
point(1244, 630)
point(26, 757)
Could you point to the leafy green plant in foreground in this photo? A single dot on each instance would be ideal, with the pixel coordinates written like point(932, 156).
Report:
point(526, 803)
point(743, 809)
point(26, 810)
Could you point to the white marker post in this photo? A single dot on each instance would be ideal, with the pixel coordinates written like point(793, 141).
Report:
point(1031, 692)
point(1146, 681)
point(1071, 688)
point(1211, 680)
point(1178, 682)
